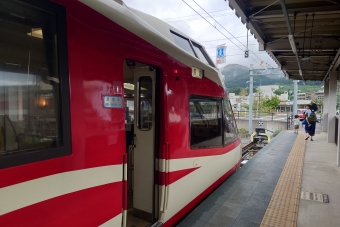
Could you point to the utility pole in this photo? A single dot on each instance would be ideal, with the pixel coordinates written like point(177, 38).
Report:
point(295, 97)
point(250, 126)
point(259, 102)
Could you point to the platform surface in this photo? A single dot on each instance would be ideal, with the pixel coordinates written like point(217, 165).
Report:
point(320, 175)
point(247, 197)
point(243, 198)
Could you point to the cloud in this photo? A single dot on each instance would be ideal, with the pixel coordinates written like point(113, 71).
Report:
point(182, 17)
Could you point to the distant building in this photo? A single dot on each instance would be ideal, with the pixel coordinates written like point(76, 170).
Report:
point(268, 90)
point(301, 104)
point(301, 96)
point(232, 98)
point(238, 101)
point(318, 96)
point(284, 96)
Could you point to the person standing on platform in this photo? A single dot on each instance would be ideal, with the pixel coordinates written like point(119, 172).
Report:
point(296, 124)
point(310, 123)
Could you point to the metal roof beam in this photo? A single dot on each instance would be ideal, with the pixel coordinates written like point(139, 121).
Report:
point(291, 36)
point(312, 56)
point(324, 10)
point(306, 67)
point(325, 44)
point(241, 11)
point(275, 59)
point(334, 63)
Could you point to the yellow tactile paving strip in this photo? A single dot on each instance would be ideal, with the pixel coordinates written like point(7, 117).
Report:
point(283, 206)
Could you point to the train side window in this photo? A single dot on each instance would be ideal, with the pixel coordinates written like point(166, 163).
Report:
point(183, 43)
point(205, 122)
point(145, 117)
point(34, 116)
point(229, 123)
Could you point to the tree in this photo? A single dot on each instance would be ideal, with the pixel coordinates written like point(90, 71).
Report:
point(246, 106)
point(270, 104)
point(235, 90)
point(243, 92)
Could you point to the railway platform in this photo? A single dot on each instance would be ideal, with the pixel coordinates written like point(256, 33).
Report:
point(267, 190)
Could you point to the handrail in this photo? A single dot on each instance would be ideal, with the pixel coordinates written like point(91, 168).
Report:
point(337, 127)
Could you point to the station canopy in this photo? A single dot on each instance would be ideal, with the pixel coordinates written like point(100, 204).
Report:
point(302, 36)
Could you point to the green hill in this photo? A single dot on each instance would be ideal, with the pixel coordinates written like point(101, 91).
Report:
point(236, 77)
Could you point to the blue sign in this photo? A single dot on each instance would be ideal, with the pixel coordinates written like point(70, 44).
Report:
point(220, 52)
point(113, 101)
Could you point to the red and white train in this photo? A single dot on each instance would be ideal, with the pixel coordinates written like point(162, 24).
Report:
point(108, 117)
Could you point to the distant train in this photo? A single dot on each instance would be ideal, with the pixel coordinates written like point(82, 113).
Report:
point(108, 117)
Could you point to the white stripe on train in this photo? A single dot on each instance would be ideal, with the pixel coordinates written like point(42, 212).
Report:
point(186, 189)
point(34, 191)
point(116, 221)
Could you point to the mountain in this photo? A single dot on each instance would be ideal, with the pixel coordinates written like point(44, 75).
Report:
point(233, 70)
point(237, 76)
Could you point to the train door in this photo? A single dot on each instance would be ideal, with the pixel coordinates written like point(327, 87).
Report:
point(139, 83)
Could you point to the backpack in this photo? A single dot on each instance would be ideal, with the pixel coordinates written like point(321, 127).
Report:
point(312, 118)
point(314, 107)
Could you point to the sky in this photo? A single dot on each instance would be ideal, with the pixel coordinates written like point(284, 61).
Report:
point(179, 15)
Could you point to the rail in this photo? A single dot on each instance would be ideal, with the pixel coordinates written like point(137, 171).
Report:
point(258, 114)
point(247, 147)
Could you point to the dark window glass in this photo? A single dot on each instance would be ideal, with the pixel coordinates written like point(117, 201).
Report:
point(30, 102)
point(205, 122)
point(145, 103)
point(230, 127)
point(199, 52)
point(183, 43)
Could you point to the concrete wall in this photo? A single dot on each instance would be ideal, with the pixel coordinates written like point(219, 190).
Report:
point(269, 125)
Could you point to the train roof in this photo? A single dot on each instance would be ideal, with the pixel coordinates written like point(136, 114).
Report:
point(154, 31)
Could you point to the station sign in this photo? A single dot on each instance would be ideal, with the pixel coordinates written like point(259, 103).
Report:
point(112, 101)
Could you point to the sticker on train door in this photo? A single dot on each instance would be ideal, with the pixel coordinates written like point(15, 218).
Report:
point(112, 101)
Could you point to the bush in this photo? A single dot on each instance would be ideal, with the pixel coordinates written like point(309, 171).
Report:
point(243, 131)
point(276, 132)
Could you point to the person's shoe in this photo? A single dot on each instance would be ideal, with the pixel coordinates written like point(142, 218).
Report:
point(307, 138)
point(311, 139)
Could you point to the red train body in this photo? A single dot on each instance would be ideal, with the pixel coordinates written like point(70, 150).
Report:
point(91, 184)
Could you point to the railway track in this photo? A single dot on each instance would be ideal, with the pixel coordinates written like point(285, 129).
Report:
point(247, 147)
point(248, 151)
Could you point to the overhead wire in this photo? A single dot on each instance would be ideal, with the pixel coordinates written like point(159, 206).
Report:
point(223, 39)
point(219, 31)
point(311, 35)
point(304, 36)
point(227, 31)
point(194, 19)
point(170, 18)
point(321, 25)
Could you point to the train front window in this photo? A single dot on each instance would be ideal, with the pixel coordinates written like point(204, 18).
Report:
point(183, 43)
point(199, 52)
point(205, 122)
point(30, 110)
